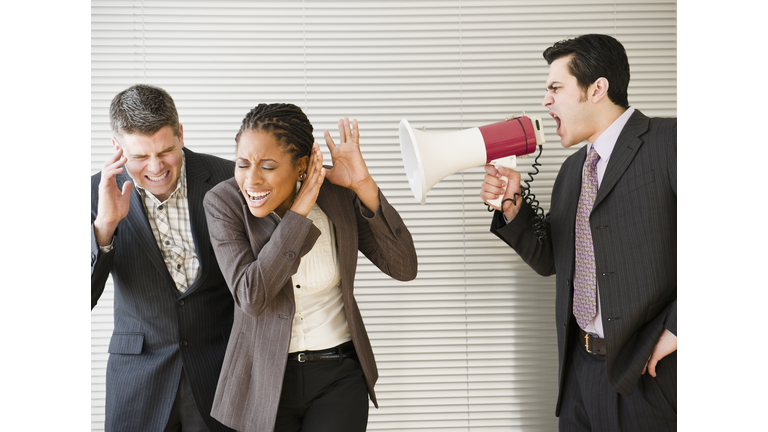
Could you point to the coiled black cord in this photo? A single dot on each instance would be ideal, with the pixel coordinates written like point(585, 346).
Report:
point(539, 229)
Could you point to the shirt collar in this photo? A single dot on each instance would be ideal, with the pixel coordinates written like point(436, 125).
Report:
point(605, 143)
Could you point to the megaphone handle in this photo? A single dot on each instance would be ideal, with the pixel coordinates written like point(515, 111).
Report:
point(506, 162)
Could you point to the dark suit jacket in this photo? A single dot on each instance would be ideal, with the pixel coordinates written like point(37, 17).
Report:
point(258, 256)
point(634, 232)
point(157, 329)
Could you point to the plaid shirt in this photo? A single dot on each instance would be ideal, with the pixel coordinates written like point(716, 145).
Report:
point(179, 251)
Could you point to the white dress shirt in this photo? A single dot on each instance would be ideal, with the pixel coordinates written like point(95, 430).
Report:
point(604, 145)
point(319, 322)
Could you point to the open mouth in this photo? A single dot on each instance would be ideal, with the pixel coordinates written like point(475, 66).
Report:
point(558, 121)
point(158, 178)
point(257, 198)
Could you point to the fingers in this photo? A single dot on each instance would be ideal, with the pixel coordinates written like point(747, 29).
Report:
point(310, 186)
point(343, 130)
point(127, 188)
point(650, 366)
point(495, 185)
point(513, 182)
point(318, 163)
point(113, 202)
point(512, 175)
point(492, 186)
point(490, 169)
point(495, 179)
point(329, 141)
point(348, 131)
point(115, 157)
point(315, 161)
point(666, 345)
point(113, 165)
point(355, 131)
point(501, 171)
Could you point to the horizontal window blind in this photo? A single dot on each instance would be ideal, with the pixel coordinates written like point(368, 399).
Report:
point(470, 344)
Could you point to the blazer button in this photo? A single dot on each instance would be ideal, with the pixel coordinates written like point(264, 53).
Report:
point(184, 343)
point(180, 303)
point(397, 231)
point(290, 255)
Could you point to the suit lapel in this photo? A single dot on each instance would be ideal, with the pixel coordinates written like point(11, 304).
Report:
point(137, 221)
point(625, 150)
point(332, 204)
point(197, 186)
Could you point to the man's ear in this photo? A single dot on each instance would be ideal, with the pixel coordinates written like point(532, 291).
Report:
point(598, 90)
point(181, 135)
point(115, 144)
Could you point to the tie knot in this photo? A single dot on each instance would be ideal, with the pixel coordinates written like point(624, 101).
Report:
point(592, 156)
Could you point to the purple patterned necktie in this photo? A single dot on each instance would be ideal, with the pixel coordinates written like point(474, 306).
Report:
point(585, 283)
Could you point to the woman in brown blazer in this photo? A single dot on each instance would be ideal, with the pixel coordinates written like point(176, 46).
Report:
point(286, 232)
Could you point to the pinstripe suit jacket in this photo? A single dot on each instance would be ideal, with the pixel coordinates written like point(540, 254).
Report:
point(258, 256)
point(634, 232)
point(157, 329)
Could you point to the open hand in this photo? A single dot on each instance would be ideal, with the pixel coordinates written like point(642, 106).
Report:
point(113, 203)
point(349, 168)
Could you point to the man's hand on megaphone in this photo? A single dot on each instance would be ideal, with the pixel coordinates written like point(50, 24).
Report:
point(493, 187)
point(349, 168)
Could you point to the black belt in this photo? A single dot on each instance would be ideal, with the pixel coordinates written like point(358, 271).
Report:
point(338, 353)
point(593, 345)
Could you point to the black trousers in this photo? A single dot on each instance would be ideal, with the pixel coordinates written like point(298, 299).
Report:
point(185, 417)
point(590, 404)
point(323, 396)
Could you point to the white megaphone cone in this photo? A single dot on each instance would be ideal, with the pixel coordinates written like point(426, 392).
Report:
point(431, 157)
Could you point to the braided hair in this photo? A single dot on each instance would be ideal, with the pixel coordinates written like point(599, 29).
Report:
point(287, 122)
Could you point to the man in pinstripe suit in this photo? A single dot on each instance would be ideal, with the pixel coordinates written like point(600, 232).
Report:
point(611, 240)
point(173, 311)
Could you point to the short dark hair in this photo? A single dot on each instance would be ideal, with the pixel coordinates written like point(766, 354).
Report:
point(287, 122)
point(594, 56)
point(142, 109)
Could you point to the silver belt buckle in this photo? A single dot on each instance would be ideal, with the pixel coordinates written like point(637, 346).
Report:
point(300, 358)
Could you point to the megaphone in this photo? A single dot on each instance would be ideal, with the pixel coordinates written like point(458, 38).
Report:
point(431, 157)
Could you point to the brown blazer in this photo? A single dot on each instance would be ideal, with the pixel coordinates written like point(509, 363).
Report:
point(258, 256)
